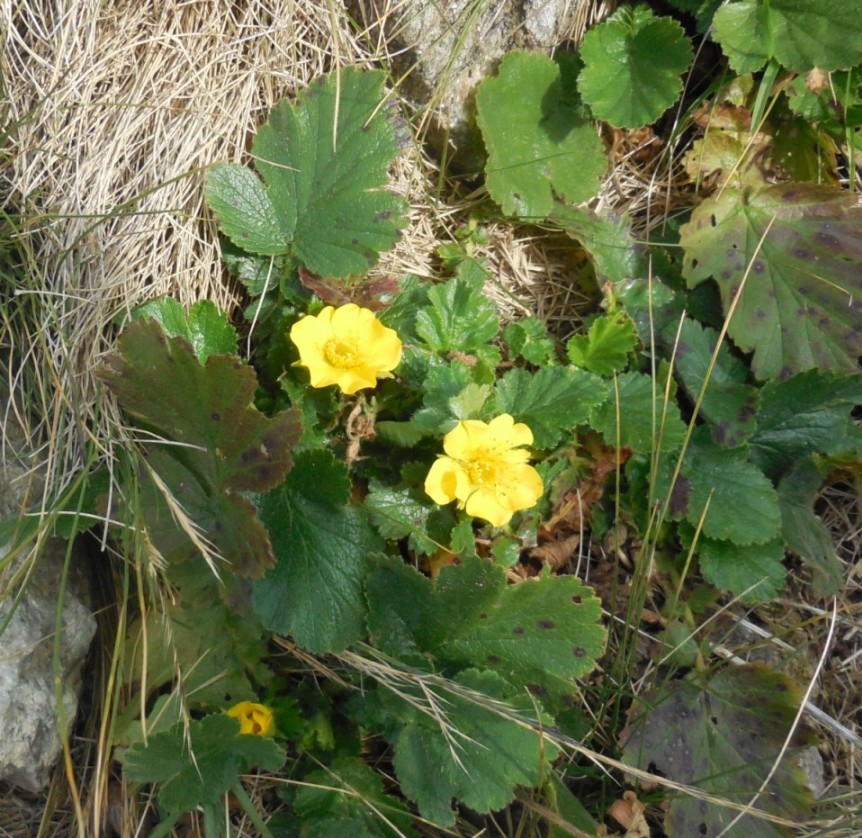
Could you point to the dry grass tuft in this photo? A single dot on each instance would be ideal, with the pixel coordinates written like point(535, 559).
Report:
point(119, 108)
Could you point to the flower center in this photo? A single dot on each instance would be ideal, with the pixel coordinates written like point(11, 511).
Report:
point(482, 470)
point(342, 354)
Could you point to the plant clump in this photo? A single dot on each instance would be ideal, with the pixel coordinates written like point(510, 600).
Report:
point(396, 552)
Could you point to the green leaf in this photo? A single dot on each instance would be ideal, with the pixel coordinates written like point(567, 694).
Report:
point(322, 546)
point(737, 568)
point(803, 531)
point(245, 211)
point(401, 513)
point(801, 305)
point(423, 614)
point(633, 63)
point(201, 640)
point(723, 734)
point(570, 810)
point(539, 144)
point(325, 162)
point(798, 34)
point(729, 404)
point(207, 329)
point(460, 317)
point(225, 445)
point(605, 349)
point(445, 386)
point(479, 760)
point(615, 253)
point(543, 634)
point(347, 800)
point(195, 767)
point(528, 338)
point(806, 414)
point(743, 505)
point(402, 434)
point(550, 401)
point(636, 404)
point(702, 11)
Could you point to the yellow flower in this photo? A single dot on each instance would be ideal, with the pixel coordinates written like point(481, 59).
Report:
point(253, 718)
point(347, 346)
point(486, 470)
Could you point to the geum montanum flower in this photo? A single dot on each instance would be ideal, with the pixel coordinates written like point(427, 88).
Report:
point(486, 470)
point(347, 346)
point(253, 718)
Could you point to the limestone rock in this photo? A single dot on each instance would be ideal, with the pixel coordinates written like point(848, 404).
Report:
point(30, 741)
point(442, 49)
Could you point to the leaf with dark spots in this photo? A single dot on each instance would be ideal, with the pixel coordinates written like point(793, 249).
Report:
point(468, 616)
point(224, 445)
point(800, 311)
point(739, 503)
point(723, 733)
point(728, 403)
point(680, 497)
point(365, 292)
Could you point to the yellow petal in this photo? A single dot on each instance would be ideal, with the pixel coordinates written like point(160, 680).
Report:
point(385, 350)
point(347, 347)
point(253, 718)
point(504, 430)
point(521, 488)
point(346, 318)
point(463, 440)
point(443, 480)
point(356, 379)
point(483, 504)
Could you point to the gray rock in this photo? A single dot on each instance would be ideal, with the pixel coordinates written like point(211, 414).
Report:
point(442, 49)
point(29, 596)
point(811, 762)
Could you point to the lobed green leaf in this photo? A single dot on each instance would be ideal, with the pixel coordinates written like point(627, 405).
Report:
point(551, 401)
point(322, 547)
point(543, 633)
point(224, 446)
point(742, 503)
point(479, 759)
point(798, 34)
point(633, 63)
point(198, 764)
point(605, 348)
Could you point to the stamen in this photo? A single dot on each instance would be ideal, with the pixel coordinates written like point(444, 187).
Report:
point(341, 354)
